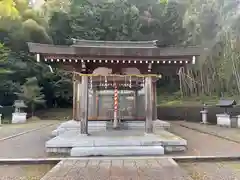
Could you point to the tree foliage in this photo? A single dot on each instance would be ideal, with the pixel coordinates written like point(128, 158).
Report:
point(214, 25)
point(31, 93)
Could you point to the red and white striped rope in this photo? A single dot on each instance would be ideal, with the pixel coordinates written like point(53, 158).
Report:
point(115, 98)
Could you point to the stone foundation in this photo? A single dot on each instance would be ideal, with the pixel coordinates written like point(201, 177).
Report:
point(104, 125)
point(116, 143)
point(226, 120)
point(19, 118)
point(117, 151)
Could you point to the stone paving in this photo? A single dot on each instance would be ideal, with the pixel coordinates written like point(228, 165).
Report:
point(12, 129)
point(224, 132)
point(200, 144)
point(30, 145)
point(124, 169)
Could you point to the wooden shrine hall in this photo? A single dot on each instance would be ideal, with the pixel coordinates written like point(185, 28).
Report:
point(116, 66)
point(114, 84)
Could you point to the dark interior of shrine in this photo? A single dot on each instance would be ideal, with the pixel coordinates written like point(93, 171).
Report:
point(130, 92)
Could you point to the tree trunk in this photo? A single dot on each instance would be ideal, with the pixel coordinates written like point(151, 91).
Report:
point(32, 109)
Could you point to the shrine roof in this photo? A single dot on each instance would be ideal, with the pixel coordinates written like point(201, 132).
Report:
point(114, 44)
point(19, 104)
point(115, 49)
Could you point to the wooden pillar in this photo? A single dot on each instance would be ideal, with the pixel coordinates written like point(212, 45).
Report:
point(97, 104)
point(78, 95)
point(154, 101)
point(116, 115)
point(149, 105)
point(94, 104)
point(75, 89)
point(78, 100)
point(84, 109)
point(74, 99)
point(136, 103)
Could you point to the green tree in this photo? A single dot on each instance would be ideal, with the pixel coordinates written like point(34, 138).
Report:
point(31, 93)
point(8, 9)
point(116, 20)
point(4, 55)
point(213, 24)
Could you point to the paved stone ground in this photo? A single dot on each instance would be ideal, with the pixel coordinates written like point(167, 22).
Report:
point(30, 145)
point(125, 169)
point(11, 129)
point(201, 144)
point(213, 171)
point(230, 133)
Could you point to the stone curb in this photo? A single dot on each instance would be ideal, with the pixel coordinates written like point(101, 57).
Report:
point(25, 132)
point(175, 158)
point(209, 133)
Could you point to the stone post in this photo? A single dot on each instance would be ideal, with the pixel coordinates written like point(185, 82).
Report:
point(84, 109)
point(149, 105)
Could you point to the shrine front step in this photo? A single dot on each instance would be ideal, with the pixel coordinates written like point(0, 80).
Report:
point(117, 151)
point(81, 145)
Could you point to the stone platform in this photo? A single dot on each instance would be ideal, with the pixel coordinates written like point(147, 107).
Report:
point(115, 143)
point(105, 125)
point(118, 169)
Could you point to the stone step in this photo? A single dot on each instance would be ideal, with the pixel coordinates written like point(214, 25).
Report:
point(114, 168)
point(117, 151)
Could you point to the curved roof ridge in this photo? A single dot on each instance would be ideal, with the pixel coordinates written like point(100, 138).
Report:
point(130, 44)
point(93, 43)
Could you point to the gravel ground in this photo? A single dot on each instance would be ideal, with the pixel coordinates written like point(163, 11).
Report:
point(229, 133)
point(213, 171)
point(24, 172)
point(200, 144)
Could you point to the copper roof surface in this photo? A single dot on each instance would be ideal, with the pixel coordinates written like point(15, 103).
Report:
point(114, 44)
point(115, 49)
